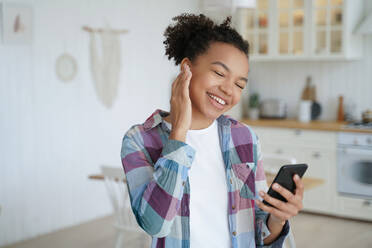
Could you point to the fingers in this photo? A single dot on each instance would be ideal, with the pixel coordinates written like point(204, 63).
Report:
point(283, 210)
point(186, 79)
point(288, 208)
point(284, 192)
point(295, 200)
point(176, 81)
point(276, 212)
point(299, 186)
point(180, 102)
point(289, 196)
point(180, 86)
point(175, 84)
point(180, 78)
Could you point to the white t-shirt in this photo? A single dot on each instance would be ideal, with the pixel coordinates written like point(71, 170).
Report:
point(209, 225)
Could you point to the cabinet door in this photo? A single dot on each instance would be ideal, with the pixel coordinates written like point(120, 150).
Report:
point(355, 208)
point(321, 164)
point(315, 148)
point(254, 27)
point(328, 27)
point(290, 26)
point(296, 137)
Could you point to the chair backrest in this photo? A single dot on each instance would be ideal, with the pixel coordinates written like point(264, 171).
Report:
point(273, 162)
point(118, 193)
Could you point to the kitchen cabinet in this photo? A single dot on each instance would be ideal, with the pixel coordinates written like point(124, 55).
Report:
point(318, 149)
point(315, 148)
point(301, 30)
point(355, 208)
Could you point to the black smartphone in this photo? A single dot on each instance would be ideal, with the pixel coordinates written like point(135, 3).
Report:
point(285, 179)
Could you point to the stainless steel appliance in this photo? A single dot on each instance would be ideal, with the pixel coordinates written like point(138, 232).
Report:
point(273, 109)
point(355, 164)
point(359, 125)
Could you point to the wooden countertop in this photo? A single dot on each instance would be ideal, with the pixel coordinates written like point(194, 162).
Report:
point(333, 126)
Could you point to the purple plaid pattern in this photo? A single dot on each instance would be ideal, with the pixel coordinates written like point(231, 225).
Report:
point(157, 174)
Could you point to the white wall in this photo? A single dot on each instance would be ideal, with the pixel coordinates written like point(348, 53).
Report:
point(53, 135)
point(286, 80)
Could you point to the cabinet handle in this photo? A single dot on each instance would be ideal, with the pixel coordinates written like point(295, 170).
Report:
point(367, 203)
point(279, 151)
point(316, 155)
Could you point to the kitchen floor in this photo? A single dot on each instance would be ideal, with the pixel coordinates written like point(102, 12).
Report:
point(309, 230)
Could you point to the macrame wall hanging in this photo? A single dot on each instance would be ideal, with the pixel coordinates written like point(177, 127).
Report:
point(105, 62)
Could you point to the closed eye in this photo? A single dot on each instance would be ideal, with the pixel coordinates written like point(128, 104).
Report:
point(219, 74)
point(239, 86)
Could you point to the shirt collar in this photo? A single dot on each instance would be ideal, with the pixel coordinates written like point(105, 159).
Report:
point(156, 118)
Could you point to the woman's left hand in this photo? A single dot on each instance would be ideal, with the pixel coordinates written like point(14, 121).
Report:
point(283, 211)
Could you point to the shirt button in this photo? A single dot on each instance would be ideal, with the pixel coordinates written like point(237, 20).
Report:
point(233, 206)
point(230, 180)
point(234, 233)
point(183, 183)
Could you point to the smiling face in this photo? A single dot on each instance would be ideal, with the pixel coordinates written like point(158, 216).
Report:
point(218, 78)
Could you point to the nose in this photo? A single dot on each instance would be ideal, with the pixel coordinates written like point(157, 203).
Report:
point(226, 87)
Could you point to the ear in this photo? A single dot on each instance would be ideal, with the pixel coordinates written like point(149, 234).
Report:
point(185, 61)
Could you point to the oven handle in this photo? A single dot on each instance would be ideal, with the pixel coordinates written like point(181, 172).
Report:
point(353, 151)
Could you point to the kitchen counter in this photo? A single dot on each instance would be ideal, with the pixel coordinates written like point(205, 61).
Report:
point(313, 125)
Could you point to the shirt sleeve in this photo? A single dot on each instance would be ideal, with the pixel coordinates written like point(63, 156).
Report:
point(155, 188)
point(262, 230)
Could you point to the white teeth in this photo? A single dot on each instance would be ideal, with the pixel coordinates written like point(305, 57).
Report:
point(219, 100)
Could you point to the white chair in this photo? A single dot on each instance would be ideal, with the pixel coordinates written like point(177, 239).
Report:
point(124, 220)
point(272, 164)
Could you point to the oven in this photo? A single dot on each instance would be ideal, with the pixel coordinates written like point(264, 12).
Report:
point(354, 164)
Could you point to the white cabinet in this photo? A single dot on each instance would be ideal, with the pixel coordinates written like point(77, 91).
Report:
point(321, 165)
point(315, 148)
point(354, 208)
point(318, 149)
point(302, 29)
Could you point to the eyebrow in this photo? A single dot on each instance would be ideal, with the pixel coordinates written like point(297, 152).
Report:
point(228, 69)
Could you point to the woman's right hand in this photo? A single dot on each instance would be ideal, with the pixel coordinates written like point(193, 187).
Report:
point(181, 111)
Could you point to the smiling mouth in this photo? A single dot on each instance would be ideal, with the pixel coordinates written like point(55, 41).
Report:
point(218, 102)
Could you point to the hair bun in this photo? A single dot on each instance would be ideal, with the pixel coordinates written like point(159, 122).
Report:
point(191, 35)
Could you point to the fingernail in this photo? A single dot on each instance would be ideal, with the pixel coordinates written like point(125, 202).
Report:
point(276, 186)
point(261, 193)
point(297, 177)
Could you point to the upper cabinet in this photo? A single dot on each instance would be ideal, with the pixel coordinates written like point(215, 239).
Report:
point(290, 27)
point(302, 29)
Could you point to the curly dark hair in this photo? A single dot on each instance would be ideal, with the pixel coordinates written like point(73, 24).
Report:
point(192, 35)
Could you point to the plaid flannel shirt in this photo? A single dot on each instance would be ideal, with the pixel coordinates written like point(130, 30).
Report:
point(156, 170)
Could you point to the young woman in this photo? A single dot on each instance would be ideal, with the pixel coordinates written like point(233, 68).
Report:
point(195, 176)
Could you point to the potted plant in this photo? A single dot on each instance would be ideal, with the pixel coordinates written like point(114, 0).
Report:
point(254, 102)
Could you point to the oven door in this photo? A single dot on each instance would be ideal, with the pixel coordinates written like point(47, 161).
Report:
point(355, 171)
